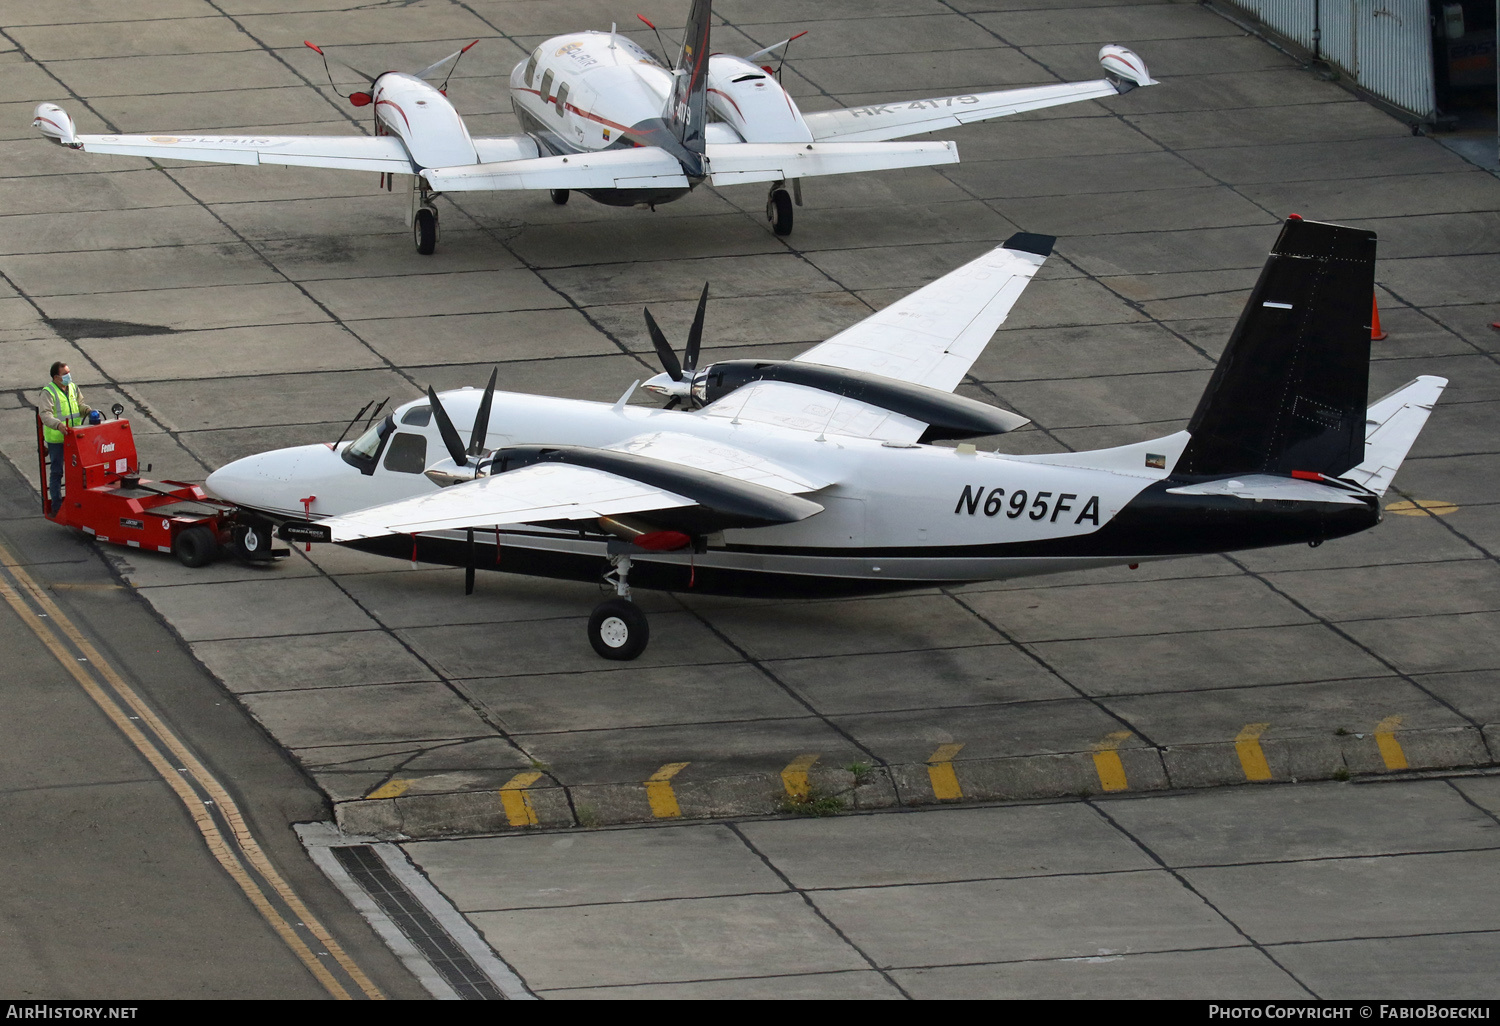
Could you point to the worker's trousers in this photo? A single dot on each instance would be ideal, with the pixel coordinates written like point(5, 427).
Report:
point(55, 475)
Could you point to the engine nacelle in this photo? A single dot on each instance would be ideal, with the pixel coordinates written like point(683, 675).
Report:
point(947, 415)
point(1124, 67)
point(752, 102)
point(423, 119)
point(55, 123)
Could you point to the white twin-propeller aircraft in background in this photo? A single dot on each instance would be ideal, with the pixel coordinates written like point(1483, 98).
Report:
point(602, 116)
point(813, 474)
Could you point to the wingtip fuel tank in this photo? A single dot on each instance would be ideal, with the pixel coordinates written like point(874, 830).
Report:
point(1124, 67)
point(55, 123)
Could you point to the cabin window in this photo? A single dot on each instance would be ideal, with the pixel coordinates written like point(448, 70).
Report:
point(562, 98)
point(531, 70)
point(407, 453)
point(417, 416)
point(546, 86)
point(365, 450)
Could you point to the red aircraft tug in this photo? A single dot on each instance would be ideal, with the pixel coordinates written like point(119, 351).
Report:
point(104, 495)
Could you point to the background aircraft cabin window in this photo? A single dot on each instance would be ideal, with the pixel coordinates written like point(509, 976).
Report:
point(417, 416)
point(407, 454)
point(546, 86)
point(562, 98)
point(531, 70)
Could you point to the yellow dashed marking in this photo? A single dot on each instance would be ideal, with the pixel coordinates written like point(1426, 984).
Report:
point(1247, 744)
point(794, 777)
point(1390, 748)
point(660, 794)
point(1422, 507)
point(391, 789)
point(1107, 761)
point(940, 770)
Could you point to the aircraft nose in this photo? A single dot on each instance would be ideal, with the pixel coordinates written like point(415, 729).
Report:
point(259, 482)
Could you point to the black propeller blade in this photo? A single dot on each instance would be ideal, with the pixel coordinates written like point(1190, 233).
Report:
point(482, 419)
point(451, 439)
point(664, 351)
point(695, 334)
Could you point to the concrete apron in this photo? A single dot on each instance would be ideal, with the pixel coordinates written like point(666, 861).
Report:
point(827, 790)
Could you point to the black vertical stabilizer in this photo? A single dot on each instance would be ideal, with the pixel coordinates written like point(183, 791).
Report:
point(690, 89)
point(1290, 391)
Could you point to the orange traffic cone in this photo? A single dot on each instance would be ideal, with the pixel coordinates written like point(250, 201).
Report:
point(1376, 334)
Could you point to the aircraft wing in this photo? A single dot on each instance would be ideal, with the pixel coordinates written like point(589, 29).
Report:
point(739, 163)
point(1124, 71)
point(650, 473)
point(643, 167)
point(933, 336)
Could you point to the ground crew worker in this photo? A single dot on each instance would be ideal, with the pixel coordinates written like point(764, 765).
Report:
point(62, 407)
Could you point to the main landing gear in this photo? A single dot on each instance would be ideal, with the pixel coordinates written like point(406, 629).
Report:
point(424, 218)
point(617, 627)
point(779, 206)
point(560, 197)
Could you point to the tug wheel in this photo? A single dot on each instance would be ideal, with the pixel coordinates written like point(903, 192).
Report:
point(618, 629)
point(195, 546)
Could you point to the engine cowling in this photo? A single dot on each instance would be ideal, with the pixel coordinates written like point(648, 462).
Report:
point(753, 103)
point(948, 416)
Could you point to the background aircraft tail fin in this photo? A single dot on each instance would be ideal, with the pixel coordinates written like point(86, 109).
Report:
point(1289, 393)
point(689, 116)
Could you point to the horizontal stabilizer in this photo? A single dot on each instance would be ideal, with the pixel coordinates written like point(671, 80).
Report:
point(1263, 487)
point(645, 167)
point(741, 163)
point(1391, 427)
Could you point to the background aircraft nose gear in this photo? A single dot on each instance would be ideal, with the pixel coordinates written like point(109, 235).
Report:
point(617, 627)
point(424, 218)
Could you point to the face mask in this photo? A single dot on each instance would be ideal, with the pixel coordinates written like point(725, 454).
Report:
point(66, 379)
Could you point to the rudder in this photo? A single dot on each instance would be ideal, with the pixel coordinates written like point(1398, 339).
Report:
point(1289, 393)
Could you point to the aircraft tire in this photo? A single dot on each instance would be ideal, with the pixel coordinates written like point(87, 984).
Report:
point(560, 197)
point(424, 230)
point(618, 629)
point(195, 547)
point(779, 211)
point(252, 542)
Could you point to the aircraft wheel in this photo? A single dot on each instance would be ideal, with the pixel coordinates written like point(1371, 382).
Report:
point(779, 211)
point(618, 629)
point(560, 197)
point(195, 546)
point(424, 230)
point(252, 542)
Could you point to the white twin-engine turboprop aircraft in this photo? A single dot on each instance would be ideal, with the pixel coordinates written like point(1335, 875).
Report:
point(602, 116)
point(812, 475)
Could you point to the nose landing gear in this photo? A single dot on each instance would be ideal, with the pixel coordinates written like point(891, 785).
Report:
point(617, 628)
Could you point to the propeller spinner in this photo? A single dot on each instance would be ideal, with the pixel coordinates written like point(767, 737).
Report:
point(677, 381)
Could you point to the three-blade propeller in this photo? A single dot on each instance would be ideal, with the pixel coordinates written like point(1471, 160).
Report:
point(679, 385)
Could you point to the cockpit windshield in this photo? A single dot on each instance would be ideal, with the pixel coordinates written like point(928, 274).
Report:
point(365, 450)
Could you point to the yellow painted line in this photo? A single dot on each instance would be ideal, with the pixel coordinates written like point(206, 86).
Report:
point(390, 789)
point(940, 772)
point(518, 807)
point(1252, 758)
point(172, 772)
point(659, 791)
point(794, 777)
point(1422, 508)
point(1390, 748)
point(1107, 761)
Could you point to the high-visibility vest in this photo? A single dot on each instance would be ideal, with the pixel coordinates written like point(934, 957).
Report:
point(67, 406)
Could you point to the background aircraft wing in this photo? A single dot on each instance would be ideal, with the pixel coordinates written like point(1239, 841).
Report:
point(643, 167)
point(933, 336)
point(351, 153)
point(881, 121)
